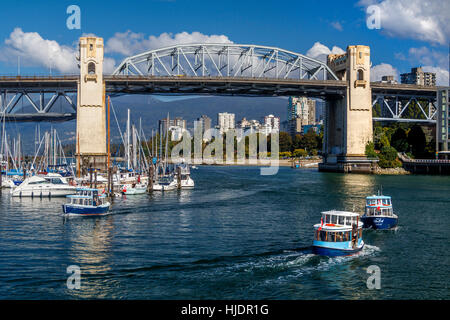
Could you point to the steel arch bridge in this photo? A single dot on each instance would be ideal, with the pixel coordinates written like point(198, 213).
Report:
point(225, 60)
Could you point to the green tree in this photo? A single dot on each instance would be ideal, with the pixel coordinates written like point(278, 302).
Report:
point(285, 142)
point(370, 151)
point(310, 140)
point(300, 153)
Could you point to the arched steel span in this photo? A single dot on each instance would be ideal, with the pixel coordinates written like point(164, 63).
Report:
point(225, 60)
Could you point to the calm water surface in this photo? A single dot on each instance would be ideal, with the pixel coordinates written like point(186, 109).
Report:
point(237, 235)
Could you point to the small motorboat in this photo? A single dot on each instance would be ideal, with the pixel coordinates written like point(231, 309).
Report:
point(50, 185)
point(338, 234)
point(379, 213)
point(134, 188)
point(86, 202)
point(165, 183)
point(186, 181)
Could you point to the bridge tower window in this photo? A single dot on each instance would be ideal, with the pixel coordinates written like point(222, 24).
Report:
point(91, 68)
point(360, 75)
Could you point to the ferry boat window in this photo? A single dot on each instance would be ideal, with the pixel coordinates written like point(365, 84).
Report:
point(385, 202)
point(331, 236)
point(334, 219)
point(347, 236)
point(323, 236)
point(339, 236)
point(341, 220)
point(327, 218)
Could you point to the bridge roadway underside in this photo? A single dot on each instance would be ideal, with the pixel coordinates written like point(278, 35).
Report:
point(163, 85)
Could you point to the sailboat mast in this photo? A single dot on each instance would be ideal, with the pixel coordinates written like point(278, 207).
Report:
point(128, 140)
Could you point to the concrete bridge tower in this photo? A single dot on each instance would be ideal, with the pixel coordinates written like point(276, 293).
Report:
point(348, 120)
point(91, 117)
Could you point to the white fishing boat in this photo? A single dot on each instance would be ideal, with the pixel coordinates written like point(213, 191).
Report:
point(51, 185)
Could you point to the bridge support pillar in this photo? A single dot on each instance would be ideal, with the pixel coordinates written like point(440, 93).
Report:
point(91, 116)
point(348, 120)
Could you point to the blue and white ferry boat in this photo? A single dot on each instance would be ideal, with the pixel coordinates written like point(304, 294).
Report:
point(86, 202)
point(379, 213)
point(338, 234)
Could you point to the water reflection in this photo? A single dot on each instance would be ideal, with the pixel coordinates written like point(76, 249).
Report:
point(350, 190)
point(89, 247)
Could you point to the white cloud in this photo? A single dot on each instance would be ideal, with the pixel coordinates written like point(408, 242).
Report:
point(36, 51)
point(320, 51)
point(425, 56)
point(383, 69)
point(337, 25)
point(129, 43)
point(417, 19)
point(441, 74)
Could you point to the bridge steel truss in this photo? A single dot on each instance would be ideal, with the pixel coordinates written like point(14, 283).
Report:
point(225, 60)
point(40, 95)
point(395, 101)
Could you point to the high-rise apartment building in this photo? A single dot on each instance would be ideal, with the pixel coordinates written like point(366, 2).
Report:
point(418, 77)
point(176, 122)
point(205, 122)
point(225, 121)
point(301, 112)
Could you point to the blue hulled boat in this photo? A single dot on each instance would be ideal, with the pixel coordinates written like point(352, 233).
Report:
point(338, 234)
point(86, 202)
point(379, 213)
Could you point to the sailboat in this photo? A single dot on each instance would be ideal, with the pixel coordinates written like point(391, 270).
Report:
point(165, 180)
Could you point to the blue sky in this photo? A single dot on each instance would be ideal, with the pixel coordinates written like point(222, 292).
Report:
point(402, 42)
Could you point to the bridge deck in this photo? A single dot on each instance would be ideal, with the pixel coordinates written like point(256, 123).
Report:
point(119, 84)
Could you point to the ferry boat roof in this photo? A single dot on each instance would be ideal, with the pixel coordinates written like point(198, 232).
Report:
point(341, 213)
point(377, 197)
point(335, 227)
point(78, 196)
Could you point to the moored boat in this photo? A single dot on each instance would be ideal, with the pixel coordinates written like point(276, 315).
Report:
point(51, 185)
point(134, 188)
point(86, 202)
point(165, 183)
point(379, 213)
point(338, 234)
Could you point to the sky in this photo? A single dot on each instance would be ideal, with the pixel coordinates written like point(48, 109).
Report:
point(411, 32)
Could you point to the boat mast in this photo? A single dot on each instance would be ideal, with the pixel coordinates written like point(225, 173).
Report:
point(167, 143)
point(128, 140)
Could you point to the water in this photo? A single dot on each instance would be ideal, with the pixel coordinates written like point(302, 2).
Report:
point(237, 235)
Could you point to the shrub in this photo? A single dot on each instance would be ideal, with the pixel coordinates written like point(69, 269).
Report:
point(300, 153)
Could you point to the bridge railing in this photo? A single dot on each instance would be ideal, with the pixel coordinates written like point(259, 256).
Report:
point(426, 161)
